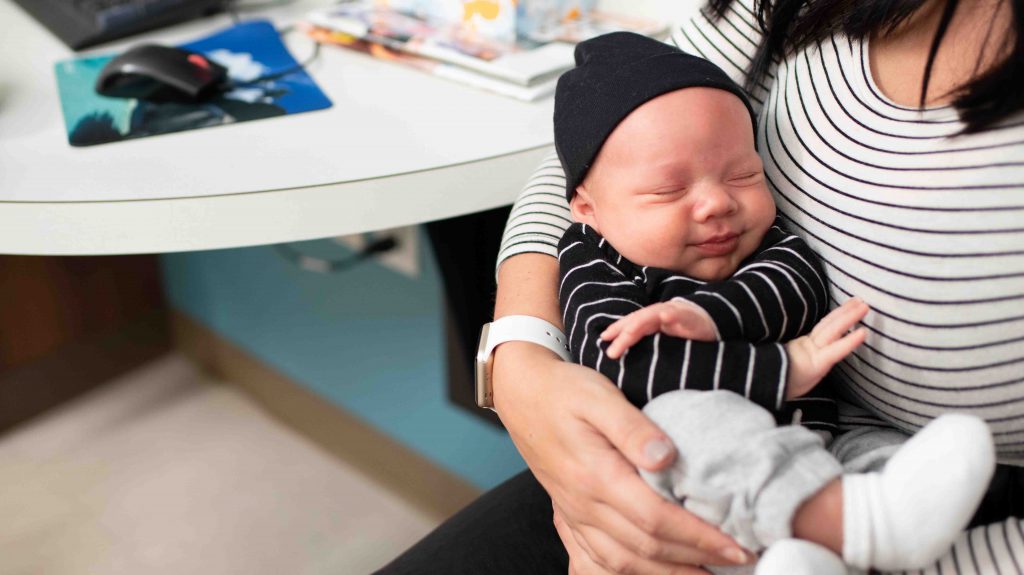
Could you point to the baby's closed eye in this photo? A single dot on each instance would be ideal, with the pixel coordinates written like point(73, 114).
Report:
point(746, 178)
point(663, 195)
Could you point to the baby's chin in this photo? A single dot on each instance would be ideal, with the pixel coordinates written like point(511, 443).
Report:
point(712, 270)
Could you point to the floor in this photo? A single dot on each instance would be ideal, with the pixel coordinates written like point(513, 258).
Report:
point(166, 471)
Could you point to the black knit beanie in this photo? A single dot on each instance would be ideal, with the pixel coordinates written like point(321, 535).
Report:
point(615, 74)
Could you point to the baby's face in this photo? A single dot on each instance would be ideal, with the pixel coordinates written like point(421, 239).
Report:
point(678, 185)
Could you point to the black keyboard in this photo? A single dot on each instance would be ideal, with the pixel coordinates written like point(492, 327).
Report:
point(84, 23)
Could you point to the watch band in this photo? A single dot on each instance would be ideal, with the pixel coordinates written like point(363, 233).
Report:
point(512, 328)
point(526, 328)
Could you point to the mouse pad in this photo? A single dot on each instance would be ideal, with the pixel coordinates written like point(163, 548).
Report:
point(249, 51)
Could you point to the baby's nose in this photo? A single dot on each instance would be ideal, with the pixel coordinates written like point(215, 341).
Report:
point(713, 201)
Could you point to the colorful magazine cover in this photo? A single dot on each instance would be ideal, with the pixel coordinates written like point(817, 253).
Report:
point(494, 19)
point(251, 51)
point(523, 63)
point(595, 23)
point(531, 60)
point(539, 19)
point(443, 70)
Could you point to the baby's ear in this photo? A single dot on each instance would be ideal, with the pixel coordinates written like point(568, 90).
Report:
point(582, 206)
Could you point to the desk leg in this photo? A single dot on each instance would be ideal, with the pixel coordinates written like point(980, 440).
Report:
point(466, 249)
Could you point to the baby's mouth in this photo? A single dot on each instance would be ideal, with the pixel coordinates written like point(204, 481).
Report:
point(719, 244)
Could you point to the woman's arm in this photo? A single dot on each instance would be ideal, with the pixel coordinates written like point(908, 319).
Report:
point(583, 442)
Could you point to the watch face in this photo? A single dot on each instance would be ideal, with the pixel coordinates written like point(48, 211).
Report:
point(484, 395)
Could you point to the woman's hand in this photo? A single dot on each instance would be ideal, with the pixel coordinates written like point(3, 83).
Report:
point(583, 442)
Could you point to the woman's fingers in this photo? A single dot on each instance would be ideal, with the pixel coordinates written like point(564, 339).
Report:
point(659, 548)
point(580, 560)
point(660, 530)
point(611, 557)
point(635, 436)
point(618, 486)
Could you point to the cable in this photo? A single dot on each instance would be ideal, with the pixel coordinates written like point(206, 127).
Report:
point(280, 73)
point(234, 7)
point(326, 266)
point(247, 6)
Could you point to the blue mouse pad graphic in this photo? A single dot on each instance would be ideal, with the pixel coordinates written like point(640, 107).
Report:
point(249, 51)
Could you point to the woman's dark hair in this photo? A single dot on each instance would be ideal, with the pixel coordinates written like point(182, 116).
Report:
point(790, 25)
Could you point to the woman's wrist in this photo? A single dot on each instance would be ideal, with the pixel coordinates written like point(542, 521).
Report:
point(527, 285)
point(517, 363)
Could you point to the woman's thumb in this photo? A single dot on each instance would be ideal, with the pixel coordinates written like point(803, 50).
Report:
point(639, 440)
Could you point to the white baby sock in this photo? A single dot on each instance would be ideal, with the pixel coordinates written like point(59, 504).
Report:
point(798, 557)
point(910, 513)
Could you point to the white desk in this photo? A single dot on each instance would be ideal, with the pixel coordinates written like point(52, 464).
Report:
point(398, 147)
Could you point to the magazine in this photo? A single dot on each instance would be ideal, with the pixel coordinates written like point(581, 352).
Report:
point(444, 70)
point(523, 63)
point(534, 59)
point(494, 19)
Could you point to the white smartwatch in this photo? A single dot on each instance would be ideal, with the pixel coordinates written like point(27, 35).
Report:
point(512, 328)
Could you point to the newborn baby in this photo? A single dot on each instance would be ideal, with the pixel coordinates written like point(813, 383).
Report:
point(680, 285)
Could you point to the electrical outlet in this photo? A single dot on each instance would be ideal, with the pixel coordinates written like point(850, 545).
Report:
point(404, 258)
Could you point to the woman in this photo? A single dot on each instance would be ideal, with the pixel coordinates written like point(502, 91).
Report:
point(893, 138)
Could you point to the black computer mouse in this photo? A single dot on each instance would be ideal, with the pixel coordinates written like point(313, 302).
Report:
point(161, 73)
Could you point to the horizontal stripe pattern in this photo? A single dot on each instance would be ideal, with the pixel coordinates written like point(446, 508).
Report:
point(924, 224)
point(996, 549)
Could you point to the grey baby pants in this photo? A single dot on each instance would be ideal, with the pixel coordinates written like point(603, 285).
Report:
point(736, 468)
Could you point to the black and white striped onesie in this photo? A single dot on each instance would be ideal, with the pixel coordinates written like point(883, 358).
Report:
point(922, 222)
point(777, 294)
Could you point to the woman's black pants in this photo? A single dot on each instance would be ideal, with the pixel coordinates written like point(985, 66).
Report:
point(506, 530)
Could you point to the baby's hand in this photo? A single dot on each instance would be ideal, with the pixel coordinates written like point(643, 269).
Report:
point(813, 355)
point(679, 318)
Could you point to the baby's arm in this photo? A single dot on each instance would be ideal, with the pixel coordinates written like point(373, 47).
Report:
point(810, 356)
point(592, 289)
point(594, 293)
point(776, 295)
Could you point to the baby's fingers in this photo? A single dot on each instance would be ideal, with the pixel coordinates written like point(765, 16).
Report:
point(612, 331)
point(834, 352)
point(627, 323)
point(624, 341)
point(629, 330)
point(839, 322)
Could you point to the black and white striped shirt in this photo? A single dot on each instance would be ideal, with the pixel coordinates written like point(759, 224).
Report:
point(923, 223)
point(777, 294)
